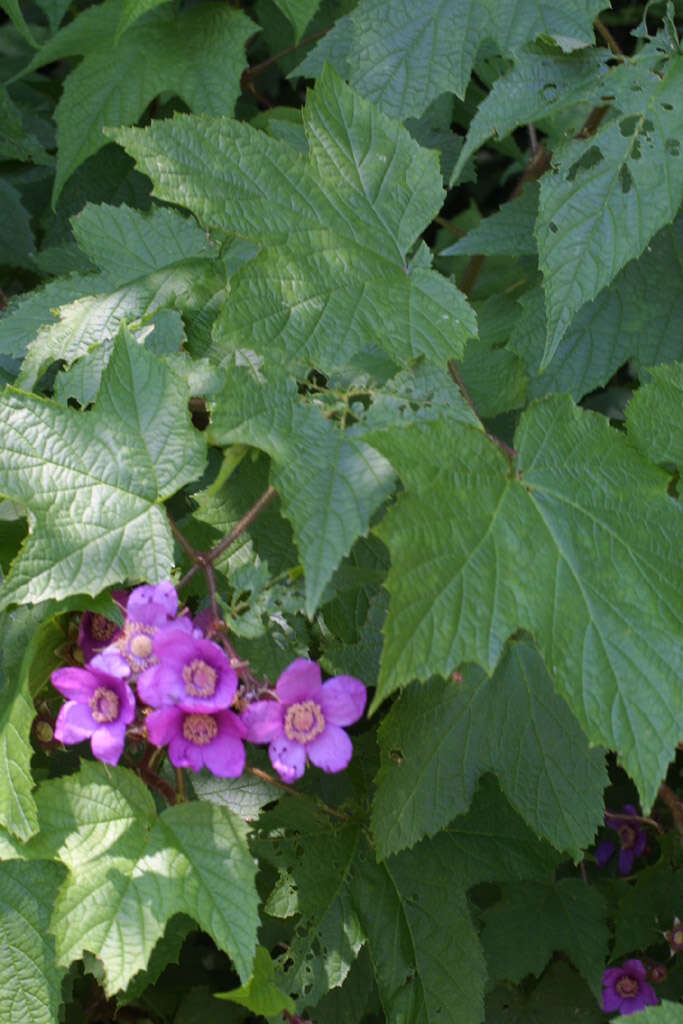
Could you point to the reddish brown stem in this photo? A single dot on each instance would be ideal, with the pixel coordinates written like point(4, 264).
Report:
point(675, 805)
point(454, 371)
point(256, 69)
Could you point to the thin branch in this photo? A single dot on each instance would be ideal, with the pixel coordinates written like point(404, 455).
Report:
point(675, 805)
point(607, 36)
point(615, 816)
point(443, 223)
point(454, 371)
point(256, 69)
point(533, 139)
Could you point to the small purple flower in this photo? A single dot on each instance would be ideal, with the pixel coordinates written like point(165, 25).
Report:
point(626, 990)
point(632, 840)
point(675, 937)
point(194, 740)
point(149, 609)
point(191, 672)
point(306, 720)
point(99, 707)
point(96, 631)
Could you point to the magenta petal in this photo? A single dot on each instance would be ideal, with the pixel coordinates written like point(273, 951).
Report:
point(263, 720)
point(604, 852)
point(301, 680)
point(343, 700)
point(610, 1000)
point(611, 975)
point(160, 685)
point(184, 754)
point(74, 723)
point(225, 756)
point(649, 995)
point(163, 725)
point(626, 858)
point(175, 644)
point(635, 969)
point(107, 743)
point(111, 663)
point(288, 758)
point(153, 606)
point(330, 751)
point(75, 683)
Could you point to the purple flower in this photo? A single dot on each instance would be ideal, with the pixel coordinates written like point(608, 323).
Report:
point(191, 672)
point(632, 840)
point(626, 990)
point(96, 632)
point(195, 740)
point(149, 609)
point(306, 720)
point(99, 707)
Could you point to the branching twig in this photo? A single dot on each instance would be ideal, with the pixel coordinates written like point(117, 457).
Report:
point(256, 69)
point(603, 31)
point(454, 371)
point(615, 816)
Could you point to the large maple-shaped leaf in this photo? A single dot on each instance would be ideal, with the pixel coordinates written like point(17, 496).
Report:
point(575, 542)
point(198, 54)
point(654, 415)
point(30, 981)
point(131, 869)
point(335, 227)
point(330, 483)
point(93, 482)
point(403, 54)
point(608, 194)
point(513, 724)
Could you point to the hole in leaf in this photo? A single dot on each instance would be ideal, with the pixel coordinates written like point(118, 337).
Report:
point(397, 756)
point(627, 125)
point(549, 91)
point(648, 126)
point(589, 159)
point(553, 227)
point(673, 147)
point(666, 106)
point(626, 179)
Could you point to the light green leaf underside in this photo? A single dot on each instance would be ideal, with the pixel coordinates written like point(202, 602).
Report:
point(30, 981)
point(330, 483)
point(534, 920)
point(607, 195)
point(512, 724)
point(130, 870)
point(335, 227)
point(115, 81)
point(577, 546)
point(260, 994)
point(665, 1013)
point(638, 316)
point(655, 415)
point(94, 481)
point(402, 55)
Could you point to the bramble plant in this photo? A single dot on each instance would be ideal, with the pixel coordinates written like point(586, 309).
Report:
point(341, 357)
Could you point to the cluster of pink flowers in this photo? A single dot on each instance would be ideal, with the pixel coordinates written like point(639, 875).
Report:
point(188, 688)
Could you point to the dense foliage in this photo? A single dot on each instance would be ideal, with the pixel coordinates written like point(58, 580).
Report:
point(341, 335)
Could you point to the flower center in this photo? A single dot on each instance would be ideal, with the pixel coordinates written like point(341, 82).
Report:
point(104, 705)
point(627, 837)
point(200, 729)
point(627, 987)
point(304, 721)
point(200, 679)
point(135, 645)
point(102, 629)
point(677, 938)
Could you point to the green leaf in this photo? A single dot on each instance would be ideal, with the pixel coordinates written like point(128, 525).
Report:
point(13, 10)
point(575, 544)
point(638, 316)
point(16, 237)
point(330, 483)
point(536, 87)
point(299, 13)
point(16, 143)
point(245, 796)
point(30, 981)
point(560, 997)
point(115, 82)
point(97, 513)
point(666, 1013)
point(533, 920)
point(425, 951)
point(21, 637)
point(654, 415)
point(260, 994)
point(315, 859)
point(132, 10)
point(130, 870)
point(629, 173)
point(402, 55)
point(335, 229)
point(647, 908)
point(510, 231)
point(438, 739)
point(127, 244)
